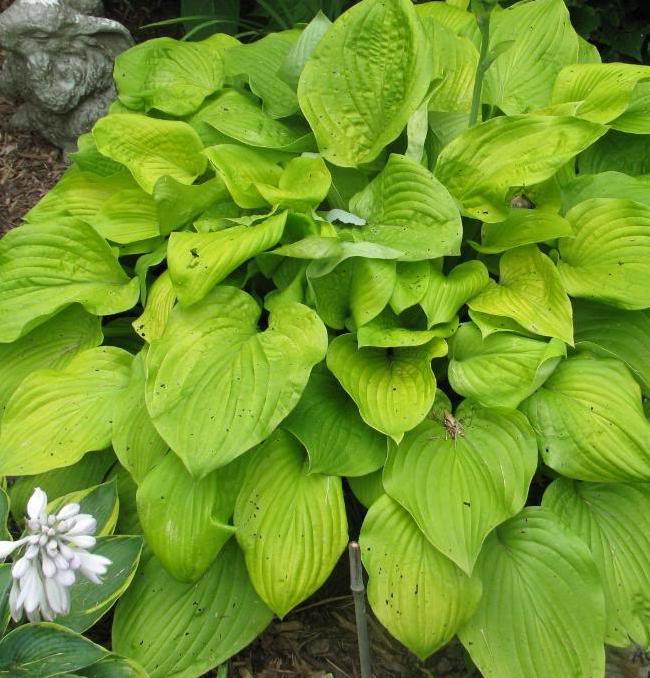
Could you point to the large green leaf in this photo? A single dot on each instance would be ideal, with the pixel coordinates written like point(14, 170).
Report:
point(216, 386)
point(260, 62)
point(618, 334)
point(418, 594)
point(128, 216)
point(183, 630)
point(411, 281)
point(590, 423)
point(502, 369)
point(635, 118)
point(114, 666)
point(167, 75)
point(480, 165)
point(89, 601)
point(541, 42)
point(240, 116)
point(151, 148)
point(291, 525)
point(611, 519)
point(365, 78)
point(183, 519)
point(603, 91)
point(445, 294)
point(530, 292)
point(393, 388)
point(617, 152)
point(458, 486)
point(45, 267)
point(160, 301)
point(42, 650)
point(241, 168)
point(55, 416)
point(327, 422)
point(407, 209)
point(136, 441)
point(608, 258)
point(199, 261)
point(605, 185)
point(388, 330)
point(522, 227)
point(300, 52)
point(542, 610)
point(371, 288)
point(302, 186)
point(52, 344)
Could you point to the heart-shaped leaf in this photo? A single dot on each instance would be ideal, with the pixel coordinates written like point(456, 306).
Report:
point(407, 209)
point(447, 293)
point(302, 186)
point(199, 261)
point(326, 421)
point(55, 416)
point(216, 386)
point(209, 620)
point(371, 288)
point(529, 292)
point(151, 148)
point(460, 484)
point(480, 165)
point(612, 519)
point(390, 331)
point(411, 281)
point(540, 580)
point(184, 520)
point(590, 423)
point(291, 526)
point(503, 369)
point(420, 596)
point(160, 301)
point(608, 258)
point(128, 216)
point(372, 47)
point(45, 267)
point(393, 388)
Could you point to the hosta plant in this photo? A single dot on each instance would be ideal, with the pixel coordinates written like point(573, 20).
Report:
point(405, 253)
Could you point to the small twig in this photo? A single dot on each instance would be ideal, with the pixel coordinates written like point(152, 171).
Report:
point(319, 603)
point(358, 593)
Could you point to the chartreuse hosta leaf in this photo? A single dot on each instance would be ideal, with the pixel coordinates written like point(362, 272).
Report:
point(302, 186)
point(167, 75)
point(89, 601)
point(371, 288)
point(590, 423)
point(114, 666)
point(136, 441)
point(611, 518)
point(605, 185)
point(79, 194)
point(199, 261)
point(367, 75)
point(522, 227)
point(216, 386)
point(603, 91)
point(260, 62)
point(52, 344)
point(291, 525)
point(45, 267)
point(608, 258)
point(503, 369)
point(460, 486)
point(530, 293)
point(241, 168)
point(241, 117)
point(177, 629)
point(635, 118)
point(480, 165)
point(613, 333)
point(127, 216)
point(417, 593)
point(491, 324)
point(160, 301)
point(411, 281)
point(542, 43)
point(446, 294)
point(617, 152)
point(55, 416)
point(151, 148)
point(407, 209)
point(453, 15)
point(184, 520)
point(100, 501)
point(542, 612)
point(388, 330)
point(393, 388)
point(6, 582)
point(326, 421)
point(38, 650)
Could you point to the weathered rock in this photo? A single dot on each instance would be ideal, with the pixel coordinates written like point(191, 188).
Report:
point(59, 63)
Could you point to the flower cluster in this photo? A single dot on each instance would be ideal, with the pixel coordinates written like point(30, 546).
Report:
point(54, 550)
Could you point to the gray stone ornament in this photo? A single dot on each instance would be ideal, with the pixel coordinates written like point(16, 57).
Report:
point(59, 63)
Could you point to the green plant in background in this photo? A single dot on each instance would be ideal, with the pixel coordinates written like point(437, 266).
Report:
point(280, 265)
